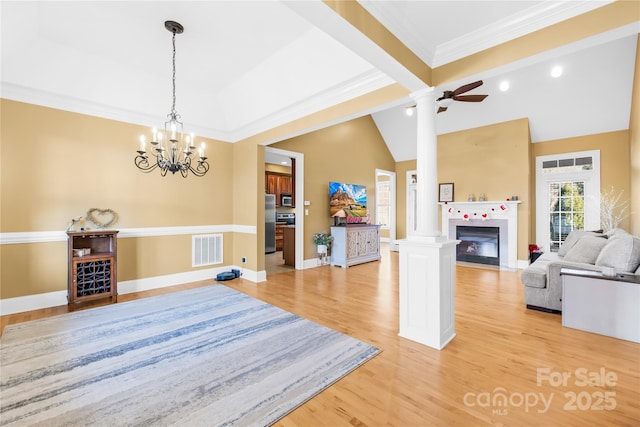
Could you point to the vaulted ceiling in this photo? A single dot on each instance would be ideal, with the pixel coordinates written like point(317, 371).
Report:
point(247, 67)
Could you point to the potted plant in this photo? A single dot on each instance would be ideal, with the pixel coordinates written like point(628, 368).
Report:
point(322, 241)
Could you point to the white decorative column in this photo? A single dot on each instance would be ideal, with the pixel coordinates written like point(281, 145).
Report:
point(426, 166)
point(427, 258)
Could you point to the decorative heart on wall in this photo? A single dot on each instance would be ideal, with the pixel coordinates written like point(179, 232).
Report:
point(102, 217)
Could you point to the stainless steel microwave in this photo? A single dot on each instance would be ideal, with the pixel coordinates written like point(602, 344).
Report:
point(286, 200)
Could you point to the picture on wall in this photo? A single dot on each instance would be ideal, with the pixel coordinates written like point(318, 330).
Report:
point(446, 192)
point(348, 201)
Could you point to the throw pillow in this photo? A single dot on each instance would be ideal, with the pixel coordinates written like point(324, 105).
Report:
point(616, 233)
point(622, 253)
point(572, 238)
point(586, 249)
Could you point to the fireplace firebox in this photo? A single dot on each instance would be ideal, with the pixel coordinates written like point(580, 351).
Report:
point(478, 244)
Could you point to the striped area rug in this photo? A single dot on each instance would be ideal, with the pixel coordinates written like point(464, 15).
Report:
point(209, 356)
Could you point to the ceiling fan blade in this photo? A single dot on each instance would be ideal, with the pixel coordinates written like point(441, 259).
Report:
point(441, 109)
point(470, 98)
point(467, 87)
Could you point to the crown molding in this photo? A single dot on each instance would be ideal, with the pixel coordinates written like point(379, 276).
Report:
point(395, 23)
point(360, 85)
point(531, 20)
point(352, 88)
point(43, 98)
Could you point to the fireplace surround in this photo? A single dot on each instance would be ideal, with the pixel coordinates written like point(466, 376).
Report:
point(491, 214)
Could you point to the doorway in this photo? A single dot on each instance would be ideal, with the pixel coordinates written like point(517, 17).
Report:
point(386, 206)
point(567, 196)
point(272, 265)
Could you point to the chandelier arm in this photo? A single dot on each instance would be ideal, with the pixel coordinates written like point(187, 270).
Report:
point(142, 162)
point(201, 169)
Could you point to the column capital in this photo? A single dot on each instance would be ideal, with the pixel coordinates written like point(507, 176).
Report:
point(425, 93)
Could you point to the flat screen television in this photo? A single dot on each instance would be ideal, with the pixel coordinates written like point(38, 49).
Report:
point(348, 203)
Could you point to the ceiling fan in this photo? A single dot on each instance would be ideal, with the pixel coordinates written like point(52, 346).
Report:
point(449, 96)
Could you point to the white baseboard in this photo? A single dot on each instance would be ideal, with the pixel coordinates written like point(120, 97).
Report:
point(313, 263)
point(58, 298)
point(32, 302)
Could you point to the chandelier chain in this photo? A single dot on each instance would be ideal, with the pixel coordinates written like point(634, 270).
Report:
point(173, 106)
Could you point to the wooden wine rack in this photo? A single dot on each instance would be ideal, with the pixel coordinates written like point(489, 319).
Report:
point(92, 266)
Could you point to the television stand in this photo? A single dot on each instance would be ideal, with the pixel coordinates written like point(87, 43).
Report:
point(355, 244)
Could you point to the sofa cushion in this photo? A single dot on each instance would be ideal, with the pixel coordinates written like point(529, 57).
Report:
point(586, 249)
point(572, 238)
point(535, 275)
point(621, 253)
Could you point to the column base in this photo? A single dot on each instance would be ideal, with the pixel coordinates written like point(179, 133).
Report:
point(427, 284)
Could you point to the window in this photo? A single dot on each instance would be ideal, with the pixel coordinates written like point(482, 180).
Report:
point(566, 211)
point(567, 196)
point(383, 198)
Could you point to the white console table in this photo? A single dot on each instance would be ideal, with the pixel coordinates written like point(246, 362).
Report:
point(355, 244)
point(604, 305)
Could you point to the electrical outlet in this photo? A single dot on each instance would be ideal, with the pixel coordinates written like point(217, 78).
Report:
point(244, 260)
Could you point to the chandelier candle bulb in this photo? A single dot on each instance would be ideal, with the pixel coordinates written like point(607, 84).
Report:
point(142, 144)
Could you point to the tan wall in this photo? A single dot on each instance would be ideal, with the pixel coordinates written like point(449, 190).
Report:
point(614, 160)
point(504, 171)
point(56, 165)
point(248, 203)
point(634, 150)
point(491, 160)
point(349, 152)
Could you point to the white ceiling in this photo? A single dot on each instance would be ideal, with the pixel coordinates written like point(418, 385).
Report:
point(245, 67)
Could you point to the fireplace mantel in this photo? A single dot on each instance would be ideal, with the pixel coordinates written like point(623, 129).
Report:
point(487, 214)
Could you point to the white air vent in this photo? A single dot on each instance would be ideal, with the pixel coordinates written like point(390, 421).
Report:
point(207, 249)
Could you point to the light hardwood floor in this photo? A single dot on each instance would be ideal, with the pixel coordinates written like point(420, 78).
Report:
point(501, 350)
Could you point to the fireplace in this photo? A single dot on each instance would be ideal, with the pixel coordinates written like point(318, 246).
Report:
point(490, 214)
point(478, 244)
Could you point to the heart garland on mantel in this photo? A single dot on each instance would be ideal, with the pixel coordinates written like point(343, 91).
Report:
point(106, 217)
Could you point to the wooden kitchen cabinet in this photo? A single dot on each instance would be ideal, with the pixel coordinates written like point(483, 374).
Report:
point(285, 184)
point(289, 245)
point(280, 236)
point(278, 183)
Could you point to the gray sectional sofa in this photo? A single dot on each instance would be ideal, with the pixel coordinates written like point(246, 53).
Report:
point(585, 250)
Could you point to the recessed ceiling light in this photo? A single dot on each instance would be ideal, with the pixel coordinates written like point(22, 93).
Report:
point(556, 71)
point(410, 110)
point(284, 163)
point(504, 86)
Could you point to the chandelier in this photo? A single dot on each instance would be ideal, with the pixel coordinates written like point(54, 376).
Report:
point(173, 155)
